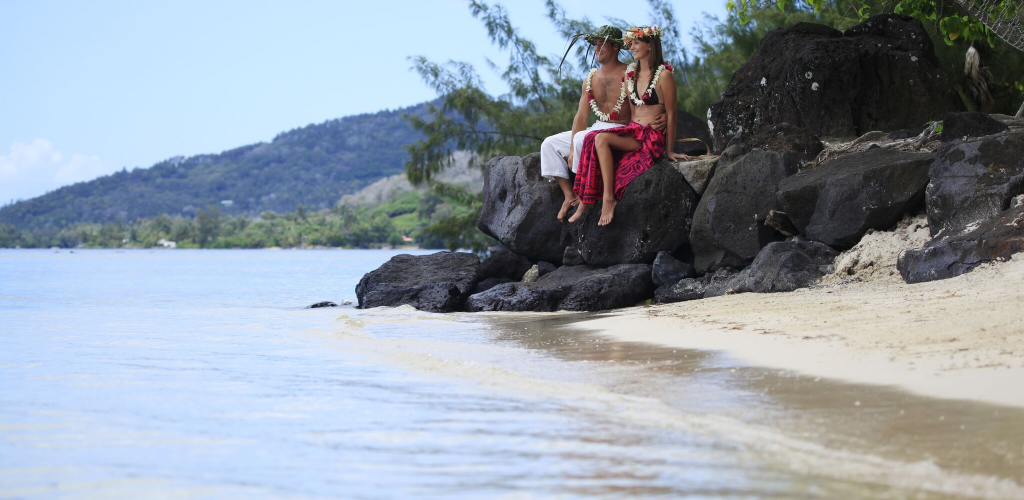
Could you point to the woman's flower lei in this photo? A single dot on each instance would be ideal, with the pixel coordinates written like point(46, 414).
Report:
point(614, 115)
point(641, 32)
point(630, 75)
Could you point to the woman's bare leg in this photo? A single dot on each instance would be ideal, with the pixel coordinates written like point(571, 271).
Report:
point(603, 146)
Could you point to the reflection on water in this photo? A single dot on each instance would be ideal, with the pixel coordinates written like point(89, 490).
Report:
point(964, 436)
point(199, 375)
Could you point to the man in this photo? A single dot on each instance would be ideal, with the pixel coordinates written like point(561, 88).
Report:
point(603, 93)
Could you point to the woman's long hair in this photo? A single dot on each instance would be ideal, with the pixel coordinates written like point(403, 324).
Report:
point(656, 58)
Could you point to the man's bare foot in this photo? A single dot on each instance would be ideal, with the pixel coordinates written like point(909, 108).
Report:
point(569, 202)
point(607, 212)
point(579, 211)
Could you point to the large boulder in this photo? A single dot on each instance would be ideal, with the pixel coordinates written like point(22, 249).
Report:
point(570, 288)
point(520, 208)
point(654, 215)
point(837, 202)
point(970, 124)
point(973, 180)
point(693, 288)
point(437, 282)
point(728, 224)
point(995, 239)
point(502, 262)
point(799, 144)
point(782, 266)
point(880, 75)
point(697, 173)
point(667, 270)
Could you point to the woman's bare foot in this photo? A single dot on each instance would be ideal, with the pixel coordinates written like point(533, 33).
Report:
point(579, 211)
point(569, 202)
point(607, 212)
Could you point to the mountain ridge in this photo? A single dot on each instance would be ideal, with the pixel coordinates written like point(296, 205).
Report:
point(312, 166)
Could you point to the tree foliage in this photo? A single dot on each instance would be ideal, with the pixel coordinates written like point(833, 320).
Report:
point(409, 214)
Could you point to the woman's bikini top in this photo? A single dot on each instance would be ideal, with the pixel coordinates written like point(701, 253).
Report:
point(651, 100)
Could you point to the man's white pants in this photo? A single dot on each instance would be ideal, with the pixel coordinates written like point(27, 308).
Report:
point(555, 149)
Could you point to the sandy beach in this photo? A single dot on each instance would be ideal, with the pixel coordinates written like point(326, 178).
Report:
point(960, 338)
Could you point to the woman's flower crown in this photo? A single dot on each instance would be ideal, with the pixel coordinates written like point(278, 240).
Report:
point(641, 32)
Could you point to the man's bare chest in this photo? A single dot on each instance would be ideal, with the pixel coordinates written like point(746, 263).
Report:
point(606, 88)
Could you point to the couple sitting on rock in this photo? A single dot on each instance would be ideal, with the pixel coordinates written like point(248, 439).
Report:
point(625, 141)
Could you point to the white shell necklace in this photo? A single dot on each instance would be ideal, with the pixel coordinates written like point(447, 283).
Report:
point(614, 115)
point(630, 72)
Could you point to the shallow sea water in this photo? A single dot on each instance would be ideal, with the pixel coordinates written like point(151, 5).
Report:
point(200, 374)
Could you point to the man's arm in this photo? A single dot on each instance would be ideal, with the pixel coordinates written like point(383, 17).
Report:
point(667, 88)
point(579, 122)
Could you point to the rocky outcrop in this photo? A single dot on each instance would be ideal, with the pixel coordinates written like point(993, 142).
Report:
point(728, 225)
point(437, 282)
point(570, 288)
point(693, 288)
point(973, 180)
point(995, 239)
point(667, 270)
point(538, 271)
point(502, 262)
point(837, 202)
point(800, 145)
point(880, 75)
point(654, 215)
point(520, 206)
point(782, 266)
point(489, 283)
point(970, 124)
point(697, 173)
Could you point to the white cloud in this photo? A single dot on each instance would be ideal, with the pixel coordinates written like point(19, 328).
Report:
point(34, 168)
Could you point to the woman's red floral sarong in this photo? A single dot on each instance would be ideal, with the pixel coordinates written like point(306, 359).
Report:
point(628, 165)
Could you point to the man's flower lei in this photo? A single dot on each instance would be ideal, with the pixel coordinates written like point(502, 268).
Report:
point(614, 115)
point(631, 73)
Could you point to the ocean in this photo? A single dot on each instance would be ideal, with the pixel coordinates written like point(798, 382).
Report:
point(201, 374)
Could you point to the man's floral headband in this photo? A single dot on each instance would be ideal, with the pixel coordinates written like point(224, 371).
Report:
point(642, 33)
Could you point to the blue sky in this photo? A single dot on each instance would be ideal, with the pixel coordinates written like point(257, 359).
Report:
point(91, 87)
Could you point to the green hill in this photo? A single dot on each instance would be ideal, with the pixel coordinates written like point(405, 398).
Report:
point(312, 166)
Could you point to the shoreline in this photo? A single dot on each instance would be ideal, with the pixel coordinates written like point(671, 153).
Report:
point(960, 338)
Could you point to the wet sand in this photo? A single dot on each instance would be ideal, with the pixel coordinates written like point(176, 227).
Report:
point(961, 338)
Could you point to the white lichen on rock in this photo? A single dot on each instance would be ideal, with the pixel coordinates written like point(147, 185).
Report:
point(814, 86)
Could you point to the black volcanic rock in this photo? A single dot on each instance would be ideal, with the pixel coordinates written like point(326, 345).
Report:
point(782, 266)
point(837, 202)
point(570, 288)
point(520, 206)
point(693, 288)
point(667, 270)
point(437, 282)
point(880, 75)
point(489, 283)
point(728, 224)
point(973, 180)
point(654, 215)
point(504, 263)
point(996, 239)
point(970, 124)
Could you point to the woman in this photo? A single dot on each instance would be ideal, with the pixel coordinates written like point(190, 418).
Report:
point(652, 91)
